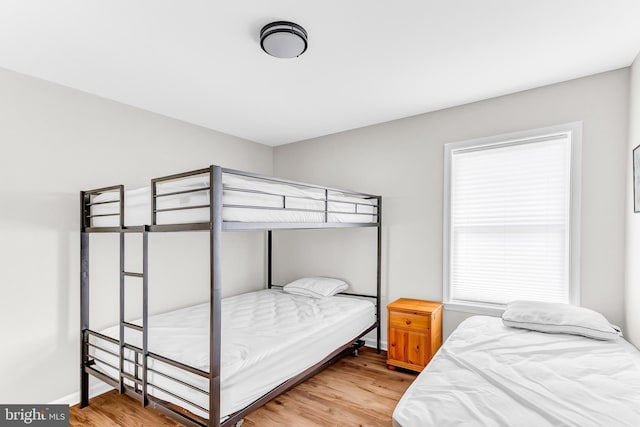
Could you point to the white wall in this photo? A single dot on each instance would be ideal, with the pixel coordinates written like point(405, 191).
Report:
point(403, 161)
point(632, 280)
point(55, 142)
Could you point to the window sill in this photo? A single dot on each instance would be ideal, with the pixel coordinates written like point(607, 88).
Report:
point(487, 310)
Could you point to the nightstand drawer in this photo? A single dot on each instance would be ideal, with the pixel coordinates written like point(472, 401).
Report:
point(410, 321)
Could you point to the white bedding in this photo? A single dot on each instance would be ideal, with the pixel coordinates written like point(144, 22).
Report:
point(344, 208)
point(267, 337)
point(488, 374)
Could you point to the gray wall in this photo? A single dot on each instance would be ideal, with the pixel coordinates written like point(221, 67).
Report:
point(55, 142)
point(403, 161)
point(632, 282)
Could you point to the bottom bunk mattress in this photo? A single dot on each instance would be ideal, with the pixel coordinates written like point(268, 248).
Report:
point(268, 337)
point(488, 374)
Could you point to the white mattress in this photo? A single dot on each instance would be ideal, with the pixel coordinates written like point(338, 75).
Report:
point(345, 208)
point(487, 374)
point(268, 337)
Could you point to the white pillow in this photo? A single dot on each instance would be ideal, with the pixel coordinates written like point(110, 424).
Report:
point(558, 319)
point(316, 287)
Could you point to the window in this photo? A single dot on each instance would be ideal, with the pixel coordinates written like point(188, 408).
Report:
point(511, 222)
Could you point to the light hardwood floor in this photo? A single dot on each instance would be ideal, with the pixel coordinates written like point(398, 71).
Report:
point(355, 391)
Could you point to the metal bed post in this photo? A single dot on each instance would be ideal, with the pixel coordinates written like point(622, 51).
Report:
point(84, 317)
point(269, 259)
point(326, 205)
point(145, 313)
point(215, 332)
point(121, 388)
point(84, 301)
point(379, 273)
point(121, 327)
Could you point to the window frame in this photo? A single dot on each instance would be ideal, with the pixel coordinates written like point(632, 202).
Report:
point(574, 129)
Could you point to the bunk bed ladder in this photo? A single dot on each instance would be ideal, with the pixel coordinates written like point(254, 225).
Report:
point(139, 377)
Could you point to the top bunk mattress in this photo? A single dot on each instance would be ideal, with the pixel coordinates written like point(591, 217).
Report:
point(268, 336)
point(488, 374)
point(244, 200)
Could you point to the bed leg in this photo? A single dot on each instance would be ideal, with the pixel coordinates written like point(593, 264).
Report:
point(84, 389)
point(355, 347)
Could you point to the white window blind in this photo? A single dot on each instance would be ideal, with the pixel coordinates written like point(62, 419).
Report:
point(510, 221)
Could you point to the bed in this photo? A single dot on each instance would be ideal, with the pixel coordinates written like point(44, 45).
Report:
point(195, 365)
point(268, 336)
point(488, 374)
point(245, 200)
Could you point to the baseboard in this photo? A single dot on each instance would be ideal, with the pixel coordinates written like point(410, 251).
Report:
point(74, 398)
point(371, 342)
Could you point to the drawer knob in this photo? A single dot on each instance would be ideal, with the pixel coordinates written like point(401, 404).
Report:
point(408, 322)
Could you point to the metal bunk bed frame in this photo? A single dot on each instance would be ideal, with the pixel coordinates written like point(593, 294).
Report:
point(215, 226)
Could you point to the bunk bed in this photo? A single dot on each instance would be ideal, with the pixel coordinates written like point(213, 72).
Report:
point(187, 386)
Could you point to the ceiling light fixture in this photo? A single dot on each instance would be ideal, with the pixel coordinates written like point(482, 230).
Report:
point(283, 39)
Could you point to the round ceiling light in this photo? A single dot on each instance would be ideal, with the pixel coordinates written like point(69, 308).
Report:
point(283, 39)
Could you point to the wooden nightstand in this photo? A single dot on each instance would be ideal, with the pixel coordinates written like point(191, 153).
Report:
point(414, 333)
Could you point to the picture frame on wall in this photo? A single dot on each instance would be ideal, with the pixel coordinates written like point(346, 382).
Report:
point(636, 179)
